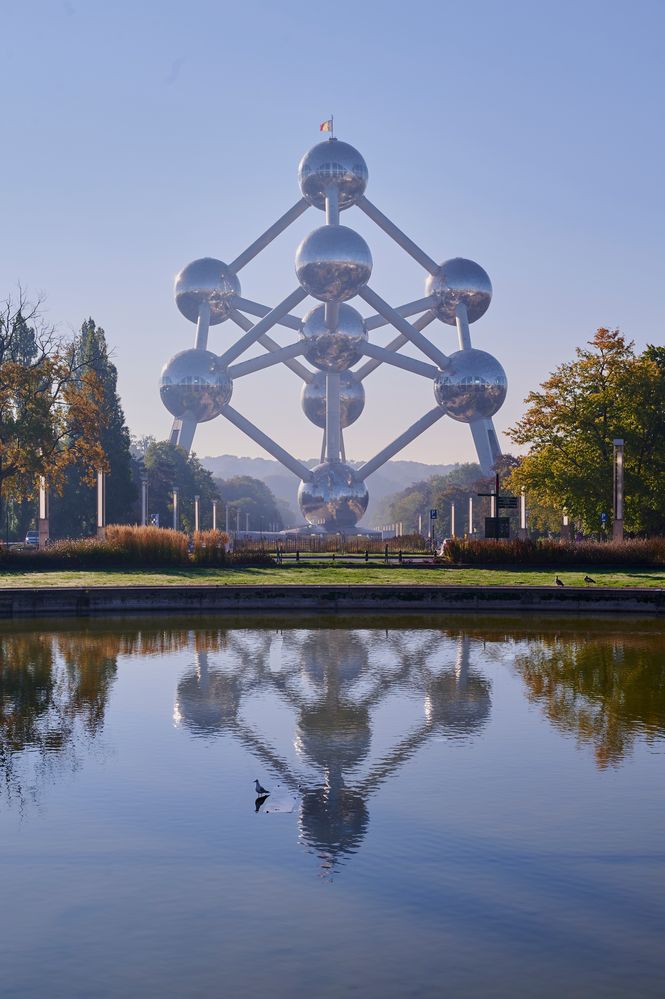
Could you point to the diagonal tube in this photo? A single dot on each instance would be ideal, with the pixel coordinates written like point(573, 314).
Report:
point(256, 309)
point(266, 341)
point(486, 443)
point(419, 427)
point(265, 360)
point(410, 309)
point(395, 344)
point(400, 238)
point(400, 360)
point(267, 443)
point(404, 327)
point(267, 237)
point(263, 325)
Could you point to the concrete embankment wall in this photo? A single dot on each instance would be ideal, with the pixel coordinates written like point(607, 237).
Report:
point(80, 600)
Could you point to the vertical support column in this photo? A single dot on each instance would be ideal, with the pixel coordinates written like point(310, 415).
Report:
point(247, 523)
point(462, 323)
point(214, 515)
point(566, 529)
point(617, 525)
point(452, 521)
point(523, 531)
point(470, 516)
point(226, 517)
point(176, 508)
point(420, 524)
point(202, 326)
point(101, 505)
point(237, 520)
point(197, 513)
point(333, 417)
point(42, 520)
point(144, 500)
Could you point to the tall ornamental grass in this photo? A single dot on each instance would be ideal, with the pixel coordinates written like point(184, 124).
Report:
point(648, 553)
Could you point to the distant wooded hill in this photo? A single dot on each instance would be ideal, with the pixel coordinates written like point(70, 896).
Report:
point(393, 477)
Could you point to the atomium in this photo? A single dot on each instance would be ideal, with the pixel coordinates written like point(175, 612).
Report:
point(351, 399)
point(206, 281)
point(331, 346)
point(193, 386)
point(334, 346)
point(472, 386)
point(333, 497)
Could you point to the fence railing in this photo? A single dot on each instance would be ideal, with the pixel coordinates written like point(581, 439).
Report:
point(322, 544)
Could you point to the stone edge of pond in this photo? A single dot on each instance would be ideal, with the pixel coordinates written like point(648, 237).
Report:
point(92, 600)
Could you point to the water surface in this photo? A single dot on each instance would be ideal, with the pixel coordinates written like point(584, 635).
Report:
point(460, 806)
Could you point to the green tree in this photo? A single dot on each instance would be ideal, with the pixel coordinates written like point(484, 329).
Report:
point(250, 496)
point(607, 392)
point(74, 513)
point(51, 408)
point(167, 465)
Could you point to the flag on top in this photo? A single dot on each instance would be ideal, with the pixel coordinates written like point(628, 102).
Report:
point(326, 126)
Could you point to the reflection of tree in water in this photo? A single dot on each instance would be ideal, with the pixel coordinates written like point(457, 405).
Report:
point(606, 691)
point(332, 682)
point(52, 686)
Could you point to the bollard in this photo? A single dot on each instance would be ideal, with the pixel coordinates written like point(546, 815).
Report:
point(366, 555)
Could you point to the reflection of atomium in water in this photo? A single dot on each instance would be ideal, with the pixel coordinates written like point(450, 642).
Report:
point(333, 265)
point(332, 681)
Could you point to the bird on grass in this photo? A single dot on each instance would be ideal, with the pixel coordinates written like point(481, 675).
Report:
point(559, 582)
point(260, 791)
point(588, 579)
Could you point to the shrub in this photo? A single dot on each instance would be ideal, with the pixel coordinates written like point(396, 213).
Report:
point(545, 551)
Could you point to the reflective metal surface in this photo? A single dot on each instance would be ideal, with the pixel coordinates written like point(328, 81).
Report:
point(460, 281)
point(332, 164)
point(194, 387)
point(334, 499)
point(333, 263)
point(333, 349)
point(206, 280)
point(351, 399)
point(473, 385)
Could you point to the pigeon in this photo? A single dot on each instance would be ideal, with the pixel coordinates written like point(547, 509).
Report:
point(260, 791)
point(559, 582)
point(588, 579)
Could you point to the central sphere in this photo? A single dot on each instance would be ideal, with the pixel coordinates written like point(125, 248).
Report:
point(334, 498)
point(332, 164)
point(193, 386)
point(460, 281)
point(333, 349)
point(471, 386)
point(351, 399)
point(206, 280)
point(333, 263)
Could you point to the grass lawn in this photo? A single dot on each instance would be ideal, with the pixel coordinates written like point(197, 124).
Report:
point(326, 574)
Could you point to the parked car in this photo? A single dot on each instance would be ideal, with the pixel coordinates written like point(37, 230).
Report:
point(32, 539)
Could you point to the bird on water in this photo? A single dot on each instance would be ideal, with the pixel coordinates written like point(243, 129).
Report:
point(559, 582)
point(259, 789)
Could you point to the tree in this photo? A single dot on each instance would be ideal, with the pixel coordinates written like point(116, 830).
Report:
point(74, 513)
point(167, 465)
point(438, 492)
point(250, 496)
point(607, 392)
point(51, 413)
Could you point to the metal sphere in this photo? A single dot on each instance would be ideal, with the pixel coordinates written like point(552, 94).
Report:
point(194, 387)
point(472, 385)
point(351, 399)
point(333, 349)
point(206, 280)
point(333, 263)
point(332, 164)
point(460, 281)
point(334, 498)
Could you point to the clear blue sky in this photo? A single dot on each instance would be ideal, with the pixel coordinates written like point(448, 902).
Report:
point(526, 135)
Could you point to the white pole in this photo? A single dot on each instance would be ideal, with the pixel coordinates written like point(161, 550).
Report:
point(214, 515)
point(101, 504)
point(617, 525)
point(176, 492)
point(197, 510)
point(452, 520)
point(470, 516)
point(144, 501)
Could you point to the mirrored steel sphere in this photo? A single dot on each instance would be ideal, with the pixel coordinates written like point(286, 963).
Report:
point(333, 263)
point(206, 280)
point(334, 498)
point(460, 281)
point(351, 399)
point(472, 385)
point(194, 387)
point(333, 349)
point(332, 164)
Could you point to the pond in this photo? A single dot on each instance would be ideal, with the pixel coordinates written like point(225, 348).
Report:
point(459, 806)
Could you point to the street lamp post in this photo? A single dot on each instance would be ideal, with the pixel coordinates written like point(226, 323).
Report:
point(176, 494)
point(197, 513)
point(617, 525)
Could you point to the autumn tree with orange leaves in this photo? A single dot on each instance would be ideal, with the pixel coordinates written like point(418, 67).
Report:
point(50, 408)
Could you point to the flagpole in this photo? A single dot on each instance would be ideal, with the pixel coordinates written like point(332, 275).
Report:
point(332, 127)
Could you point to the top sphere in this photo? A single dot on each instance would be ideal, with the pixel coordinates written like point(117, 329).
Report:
point(460, 282)
point(206, 280)
point(332, 164)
